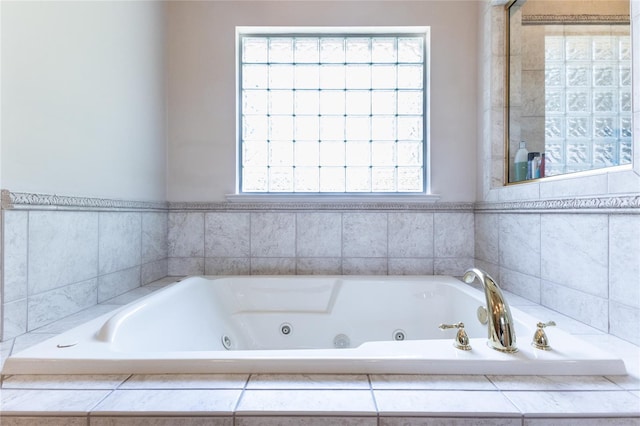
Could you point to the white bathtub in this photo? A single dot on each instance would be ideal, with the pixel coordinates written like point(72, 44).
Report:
point(305, 324)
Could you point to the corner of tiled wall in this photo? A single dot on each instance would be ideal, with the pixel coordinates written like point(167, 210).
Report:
point(583, 265)
point(14, 298)
point(486, 244)
point(155, 252)
point(624, 276)
point(59, 262)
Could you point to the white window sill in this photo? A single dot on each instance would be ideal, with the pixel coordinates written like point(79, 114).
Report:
point(332, 198)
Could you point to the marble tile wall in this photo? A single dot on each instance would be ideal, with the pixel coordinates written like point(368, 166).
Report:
point(320, 242)
point(58, 262)
point(585, 266)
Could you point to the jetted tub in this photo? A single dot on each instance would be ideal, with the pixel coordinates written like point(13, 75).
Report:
point(306, 324)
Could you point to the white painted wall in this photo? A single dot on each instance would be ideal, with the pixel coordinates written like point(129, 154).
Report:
point(202, 97)
point(83, 99)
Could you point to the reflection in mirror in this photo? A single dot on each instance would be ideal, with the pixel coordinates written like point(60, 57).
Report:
point(569, 88)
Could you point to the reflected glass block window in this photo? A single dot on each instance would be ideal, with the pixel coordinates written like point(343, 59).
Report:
point(588, 102)
point(332, 112)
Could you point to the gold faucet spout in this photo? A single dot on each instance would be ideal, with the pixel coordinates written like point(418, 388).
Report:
point(500, 327)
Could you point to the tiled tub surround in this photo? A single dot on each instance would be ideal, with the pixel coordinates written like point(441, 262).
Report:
point(82, 254)
point(266, 399)
point(392, 238)
point(60, 259)
point(584, 264)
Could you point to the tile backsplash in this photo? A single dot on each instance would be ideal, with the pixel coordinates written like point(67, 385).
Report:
point(321, 242)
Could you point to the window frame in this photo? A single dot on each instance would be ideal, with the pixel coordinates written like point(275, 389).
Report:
point(285, 31)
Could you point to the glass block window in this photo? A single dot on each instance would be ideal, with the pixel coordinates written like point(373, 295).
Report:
point(332, 112)
point(587, 102)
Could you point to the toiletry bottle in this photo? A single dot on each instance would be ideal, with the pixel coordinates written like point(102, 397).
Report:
point(530, 165)
point(521, 163)
point(533, 165)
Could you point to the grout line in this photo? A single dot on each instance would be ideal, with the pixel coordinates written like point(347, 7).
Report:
point(386, 257)
point(204, 243)
point(295, 243)
point(240, 397)
point(433, 242)
point(341, 242)
point(250, 243)
point(608, 274)
point(373, 397)
point(27, 274)
point(93, 407)
point(124, 381)
point(141, 250)
point(98, 261)
point(540, 270)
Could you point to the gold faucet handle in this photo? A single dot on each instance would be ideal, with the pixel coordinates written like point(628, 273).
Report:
point(540, 340)
point(448, 326)
point(462, 340)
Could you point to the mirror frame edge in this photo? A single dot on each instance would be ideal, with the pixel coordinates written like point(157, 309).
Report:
point(507, 92)
point(634, 16)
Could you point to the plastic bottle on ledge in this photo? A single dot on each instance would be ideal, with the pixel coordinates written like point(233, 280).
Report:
point(520, 163)
point(533, 165)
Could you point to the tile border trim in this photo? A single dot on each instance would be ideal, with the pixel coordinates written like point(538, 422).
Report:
point(33, 201)
point(550, 19)
point(315, 206)
point(627, 204)
point(610, 204)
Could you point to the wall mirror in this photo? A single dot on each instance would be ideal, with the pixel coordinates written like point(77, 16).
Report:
point(569, 97)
